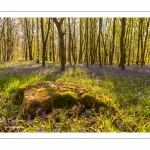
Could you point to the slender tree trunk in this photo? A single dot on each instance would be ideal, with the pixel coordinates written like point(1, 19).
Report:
point(113, 41)
point(144, 49)
point(99, 48)
point(69, 44)
point(130, 46)
point(37, 38)
point(139, 38)
point(29, 39)
point(122, 50)
point(80, 51)
point(87, 62)
point(44, 40)
point(61, 42)
point(53, 46)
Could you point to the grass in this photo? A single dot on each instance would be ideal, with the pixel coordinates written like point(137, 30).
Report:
point(129, 89)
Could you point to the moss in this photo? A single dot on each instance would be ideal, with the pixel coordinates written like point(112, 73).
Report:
point(65, 99)
point(71, 87)
point(23, 86)
point(18, 98)
point(87, 100)
point(52, 92)
point(41, 89)
point(104, 101)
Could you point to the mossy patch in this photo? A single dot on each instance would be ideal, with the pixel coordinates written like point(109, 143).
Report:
point(104, 101)
point(41, 89)
point(65, 99)
point(18, 98)
point(87, 100)
point(52, 92)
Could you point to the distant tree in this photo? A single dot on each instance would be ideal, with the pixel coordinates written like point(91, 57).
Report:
point(37, 38)
point(105, 42)
point(122, 46)
point(99, 45)
point(131, 39)
point(86, 56)
point(139, 39)
point(113, 41)
point(143, 46)
point(29, 34)
point(69, 43)
point(61, 41)
point(44, 35)
point(53, 45)
point(81, 41)
point(74, 50)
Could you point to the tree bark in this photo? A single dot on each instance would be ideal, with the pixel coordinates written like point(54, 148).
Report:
point(99, 48)
point(44, 40)
point(122, 49)
point(113, 41)
point(144, 48)
point(61, 42)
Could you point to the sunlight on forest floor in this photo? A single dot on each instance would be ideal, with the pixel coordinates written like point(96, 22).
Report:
point(129, 89)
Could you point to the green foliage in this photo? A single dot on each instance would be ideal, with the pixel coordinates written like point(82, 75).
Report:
point(129, 96)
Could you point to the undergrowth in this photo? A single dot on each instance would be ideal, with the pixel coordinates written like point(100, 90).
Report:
point(128, 89)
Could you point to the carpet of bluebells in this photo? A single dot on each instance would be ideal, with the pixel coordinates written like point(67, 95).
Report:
point(129, 89)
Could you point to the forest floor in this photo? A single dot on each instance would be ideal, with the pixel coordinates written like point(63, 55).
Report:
point(129, 89)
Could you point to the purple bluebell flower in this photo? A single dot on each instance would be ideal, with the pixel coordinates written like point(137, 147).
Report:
point(38, 110)
point(57, 126)
point(87, 111)
point(41, 129)
point(121, 125)
point(29, 117)
point(1, 75)
point(43, 115)
point(7, 99)
point(93, 74)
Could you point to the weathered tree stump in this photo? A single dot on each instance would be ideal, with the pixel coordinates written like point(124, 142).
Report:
point(44, 96)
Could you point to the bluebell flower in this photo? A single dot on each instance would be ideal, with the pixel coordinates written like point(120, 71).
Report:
point(38, 110)
point(121, 125)
point(29, 117)
point(41, 129)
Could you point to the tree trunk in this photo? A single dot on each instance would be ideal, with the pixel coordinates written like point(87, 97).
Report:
point(99, 48)
point(61, 42)
point(122, 50)
point(144, 49)
point(113, 41)
point(139, 38)
point(69, 44)
point(87, 62)
point(44, 40)
point(37, 38)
